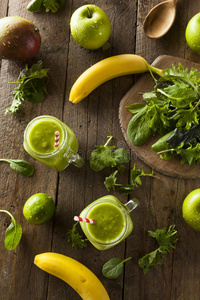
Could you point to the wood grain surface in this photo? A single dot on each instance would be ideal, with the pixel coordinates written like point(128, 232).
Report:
point(171, 167)
point(92, 120)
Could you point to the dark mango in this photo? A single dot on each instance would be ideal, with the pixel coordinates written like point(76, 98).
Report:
point(19, 38)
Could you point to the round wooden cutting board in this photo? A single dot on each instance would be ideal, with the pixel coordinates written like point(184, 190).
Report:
point(171, 167)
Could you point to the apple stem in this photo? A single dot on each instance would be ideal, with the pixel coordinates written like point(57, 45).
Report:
point(89, 12)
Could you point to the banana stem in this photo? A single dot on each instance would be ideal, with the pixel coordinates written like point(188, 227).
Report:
point(155, 70)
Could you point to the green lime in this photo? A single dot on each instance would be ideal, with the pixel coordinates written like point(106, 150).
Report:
point(192, 33)
point(191, 209)
point(39, 209)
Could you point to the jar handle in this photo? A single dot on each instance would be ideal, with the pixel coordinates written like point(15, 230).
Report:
point(132, 204)
point(75, 159)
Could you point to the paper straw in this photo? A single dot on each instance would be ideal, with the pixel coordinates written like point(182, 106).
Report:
point(79, 219)
point(57, 136)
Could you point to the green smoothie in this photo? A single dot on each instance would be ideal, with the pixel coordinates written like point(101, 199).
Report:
point(39, 141)
point(42, 136)
point(112, 222)
point(109, 222)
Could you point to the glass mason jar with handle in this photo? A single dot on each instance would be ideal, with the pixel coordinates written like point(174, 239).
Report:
point(39, 142)
point(112, 221)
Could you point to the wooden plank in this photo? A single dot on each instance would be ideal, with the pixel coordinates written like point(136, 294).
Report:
point(92, 120)
point(23, 280)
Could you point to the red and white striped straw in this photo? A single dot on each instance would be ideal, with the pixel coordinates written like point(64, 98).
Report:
point(79, 219)
point(57, 136)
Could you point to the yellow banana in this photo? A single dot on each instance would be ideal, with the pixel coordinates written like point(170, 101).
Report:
point(107, 69)
point(80, 278)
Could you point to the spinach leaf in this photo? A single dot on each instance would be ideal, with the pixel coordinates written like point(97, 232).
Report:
point(13, 233)
point(136, 107)
point(139, 130)
point(114, 267)
point(20, 166)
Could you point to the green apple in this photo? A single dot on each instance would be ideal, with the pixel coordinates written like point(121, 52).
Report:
point(90, 27)
point(191, 209)
point(192, 33)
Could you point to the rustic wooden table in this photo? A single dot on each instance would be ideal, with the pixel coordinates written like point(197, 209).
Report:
point(92, 120)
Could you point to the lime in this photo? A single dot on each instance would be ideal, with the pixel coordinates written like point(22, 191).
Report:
point(191, 209)
point(39, 209)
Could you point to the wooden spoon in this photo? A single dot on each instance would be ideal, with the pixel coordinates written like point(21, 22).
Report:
point(160, 19)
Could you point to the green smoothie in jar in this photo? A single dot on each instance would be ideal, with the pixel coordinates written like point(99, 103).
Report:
point(112, 221)
point(39, 142)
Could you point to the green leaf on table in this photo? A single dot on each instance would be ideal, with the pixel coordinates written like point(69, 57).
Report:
point(13, 233)
point(20, 166)
point(136, 107)
point(125, 189)
point(114, 267)
point(166, 239)
point(104, 157)
point(31, 86)
point(75, 238)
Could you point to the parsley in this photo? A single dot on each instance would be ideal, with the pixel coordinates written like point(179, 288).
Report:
point(49, 5)
point(75, 238)
point(166, 240)
point(135, 180)
point(174, 104)
point(31, 86)
point(104, 156)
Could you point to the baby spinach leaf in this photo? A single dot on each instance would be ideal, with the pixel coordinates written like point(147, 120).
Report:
point(139, 130)
point(20, 166)
point(114, 267)
point(13, 233)
point(136, 107)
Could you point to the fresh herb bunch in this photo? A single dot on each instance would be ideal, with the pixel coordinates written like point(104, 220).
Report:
point(135, 180)
point(31, 86)
point(75, 238)
point(20, 166)
point(13, 233)
point(173, 106)
point(166, 240)
point(104, 156)
point(49, 5)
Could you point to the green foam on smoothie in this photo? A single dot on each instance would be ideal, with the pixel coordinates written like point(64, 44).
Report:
point(42, 136)
point(109, 223)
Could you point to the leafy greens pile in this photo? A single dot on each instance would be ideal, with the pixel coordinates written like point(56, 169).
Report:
point(166, 238)
point(49, 5)
point(172, 109)
point(31, 86)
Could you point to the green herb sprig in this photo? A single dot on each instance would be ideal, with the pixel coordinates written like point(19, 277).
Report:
point(135, 181)
point(31, 86)
point(20, 166)
point(114, 267)
point(166, 239)
point(13, 233)
point(49, 5)
point(75, 238)
point(104, 156)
